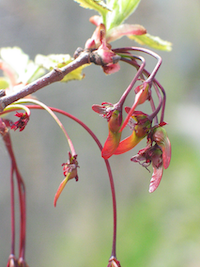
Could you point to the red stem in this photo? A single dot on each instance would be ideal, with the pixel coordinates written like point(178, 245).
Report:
point(113, 253)
point(22, 196)
point(107, 166)
point(12, 200)
point(146, 51)
point(155, 84)
point(139, 72)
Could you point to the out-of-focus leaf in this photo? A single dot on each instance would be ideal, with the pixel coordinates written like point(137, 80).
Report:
point(121, 10)
point(125, 29)
point(75, 74)
point(25, 69)
point(53, 61)
point(58, 61)
point(152, 41)
point(3, 83)
point(97, 5)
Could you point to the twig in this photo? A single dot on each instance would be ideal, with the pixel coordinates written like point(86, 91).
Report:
point(51, 77)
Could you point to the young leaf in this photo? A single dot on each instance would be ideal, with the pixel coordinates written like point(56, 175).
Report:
point(121, 10)
point(97, 5)
point(25, 69)
point(3, 83)
point(125, 29)
point(75, 74)
point(51, 62)
point(152, 41)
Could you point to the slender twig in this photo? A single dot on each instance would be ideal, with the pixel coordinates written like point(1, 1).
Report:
point(51, 77)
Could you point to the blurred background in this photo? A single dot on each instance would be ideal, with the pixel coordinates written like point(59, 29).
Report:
point(154, 230)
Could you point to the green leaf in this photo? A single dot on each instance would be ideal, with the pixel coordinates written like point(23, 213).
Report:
point(97, 5)
point(152, 41)
point(3, 83)
point(121, 10)
point(51, 62)
point(25, 69)
point(75, 74)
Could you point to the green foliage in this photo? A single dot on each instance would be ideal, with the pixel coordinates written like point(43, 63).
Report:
point(3, 83)
point(51, 62)
point(97, 5)
point(121, 10)
point(152, 41)
point(25, 69)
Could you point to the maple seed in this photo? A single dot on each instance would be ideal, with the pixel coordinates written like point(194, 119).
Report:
point(70, 172)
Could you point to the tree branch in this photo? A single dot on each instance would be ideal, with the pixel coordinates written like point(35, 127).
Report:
point(51, 77)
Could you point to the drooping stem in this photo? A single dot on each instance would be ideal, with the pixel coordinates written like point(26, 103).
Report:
point(155, 112)
point(22, 196)
point(113, 253)
point(127, 91)
point(156, 85)
point(129, 88)
point(22, 199)
point(146, 51)
point(107, 166)
point(12, 202)
point(36, 102)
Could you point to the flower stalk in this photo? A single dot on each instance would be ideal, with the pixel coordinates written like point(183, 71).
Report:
point(97, 50)
point(22, 202)
point(36, 102)
point(112, 186)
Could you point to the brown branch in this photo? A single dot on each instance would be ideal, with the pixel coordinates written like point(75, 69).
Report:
point(51, 77)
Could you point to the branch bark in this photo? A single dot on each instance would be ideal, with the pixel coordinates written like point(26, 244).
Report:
point(51, 77)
